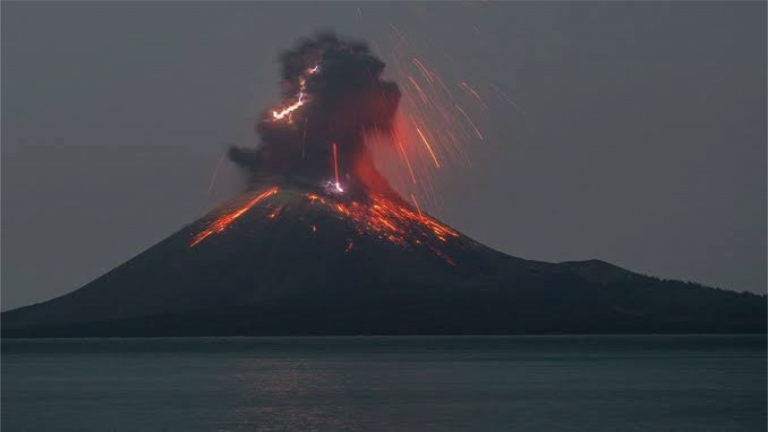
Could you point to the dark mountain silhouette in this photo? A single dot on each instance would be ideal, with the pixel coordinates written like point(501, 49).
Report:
point(297, 260)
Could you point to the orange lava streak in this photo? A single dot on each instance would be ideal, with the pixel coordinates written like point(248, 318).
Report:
point(437, 164)
point(479, 135)
point(275, 213)
point(222, 222)
point(407, 161)
point(422, 95)
point(391, 221)
point(424, 71)
point(335, 164)
point(438, 120)
point(416, 203)
point(472, 93)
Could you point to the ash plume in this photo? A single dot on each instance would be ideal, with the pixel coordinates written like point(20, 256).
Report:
point(333, 95)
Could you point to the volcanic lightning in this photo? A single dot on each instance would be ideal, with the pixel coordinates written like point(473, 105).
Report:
point(286, 112)
point(300, 98)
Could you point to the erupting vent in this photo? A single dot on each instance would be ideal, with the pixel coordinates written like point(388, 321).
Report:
point(319, 135)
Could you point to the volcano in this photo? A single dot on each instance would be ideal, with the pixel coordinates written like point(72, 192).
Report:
point(305, 262)
point(321, 244)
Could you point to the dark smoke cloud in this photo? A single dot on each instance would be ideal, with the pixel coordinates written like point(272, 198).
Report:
point(345, 100)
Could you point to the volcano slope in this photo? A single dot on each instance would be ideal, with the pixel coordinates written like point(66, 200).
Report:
point(287, 259)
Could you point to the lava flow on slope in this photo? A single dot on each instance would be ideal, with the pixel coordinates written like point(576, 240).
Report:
point(222, 222)
point(375, 216)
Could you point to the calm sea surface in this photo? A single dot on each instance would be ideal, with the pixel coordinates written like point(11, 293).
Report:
point(553, 383)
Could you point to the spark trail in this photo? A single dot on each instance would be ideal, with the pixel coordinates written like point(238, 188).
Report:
point(222, 222)
point(389, 220)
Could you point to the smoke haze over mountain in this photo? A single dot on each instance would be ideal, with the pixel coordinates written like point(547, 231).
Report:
point(333, 95)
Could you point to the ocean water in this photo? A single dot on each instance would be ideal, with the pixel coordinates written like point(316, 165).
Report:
point(548, 383)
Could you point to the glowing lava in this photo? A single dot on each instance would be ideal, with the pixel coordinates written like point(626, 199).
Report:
point(388, 220)
point(222, 222)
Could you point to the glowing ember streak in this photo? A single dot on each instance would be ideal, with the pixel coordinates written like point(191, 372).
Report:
point(442, 255)
point(389, 220)
point(336, 167)
point(435, 124)
point(312, 197)
point(350, 245)
point(421, 92)
point(407, 161)
point(416, 203)
point(437, 164)
point(216, 173)
point(222, 222)
point(275, 213)
point(472, 93)
point(479, 135)
point(424, 71)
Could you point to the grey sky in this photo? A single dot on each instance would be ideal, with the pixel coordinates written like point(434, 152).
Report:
point(642, 143)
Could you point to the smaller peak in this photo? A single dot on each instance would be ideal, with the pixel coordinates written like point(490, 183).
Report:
point(595, 270)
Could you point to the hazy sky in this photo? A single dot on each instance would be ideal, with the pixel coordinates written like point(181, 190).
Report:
point(640, 139)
